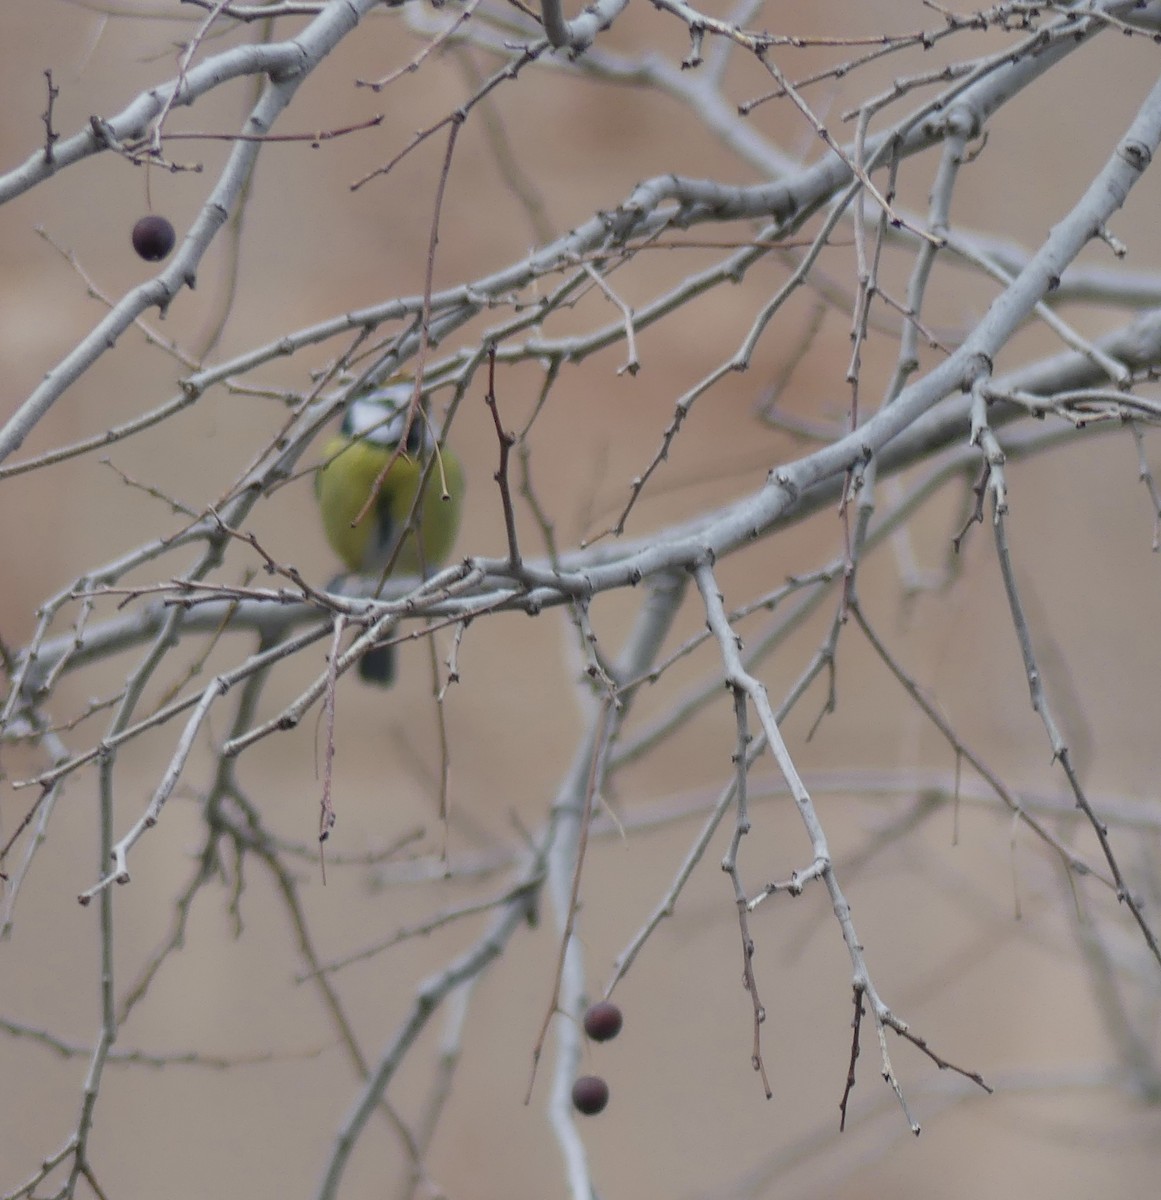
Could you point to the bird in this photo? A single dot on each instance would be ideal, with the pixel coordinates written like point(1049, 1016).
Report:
point(372, 436)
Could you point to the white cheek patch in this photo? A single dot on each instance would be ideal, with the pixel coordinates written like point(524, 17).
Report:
point(380, 417)
point(377, 421)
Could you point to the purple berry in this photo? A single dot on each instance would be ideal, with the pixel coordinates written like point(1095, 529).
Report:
point(153, 238)
point(603, 1021)
point(590, 1094)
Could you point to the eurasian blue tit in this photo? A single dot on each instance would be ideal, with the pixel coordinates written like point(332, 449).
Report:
point(370, 435)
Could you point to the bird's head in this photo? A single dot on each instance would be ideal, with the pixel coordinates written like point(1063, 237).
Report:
point(380, 417)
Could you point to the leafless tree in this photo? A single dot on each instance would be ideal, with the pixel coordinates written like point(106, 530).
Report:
point(962, 360)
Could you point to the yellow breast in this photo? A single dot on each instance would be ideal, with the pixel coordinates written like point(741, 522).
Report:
point(344, 485)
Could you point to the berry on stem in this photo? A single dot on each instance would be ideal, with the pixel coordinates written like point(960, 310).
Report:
point(153, 238)
point(603, 1021)
point(590, 1094)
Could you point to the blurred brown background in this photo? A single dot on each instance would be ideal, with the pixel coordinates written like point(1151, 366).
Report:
point(1011, 998)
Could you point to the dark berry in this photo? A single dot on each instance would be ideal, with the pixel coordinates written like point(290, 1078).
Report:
point(153, 238)
point(603, 1021)
point(590, 1094)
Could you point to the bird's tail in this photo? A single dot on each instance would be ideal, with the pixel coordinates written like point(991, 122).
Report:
point(378, 666)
